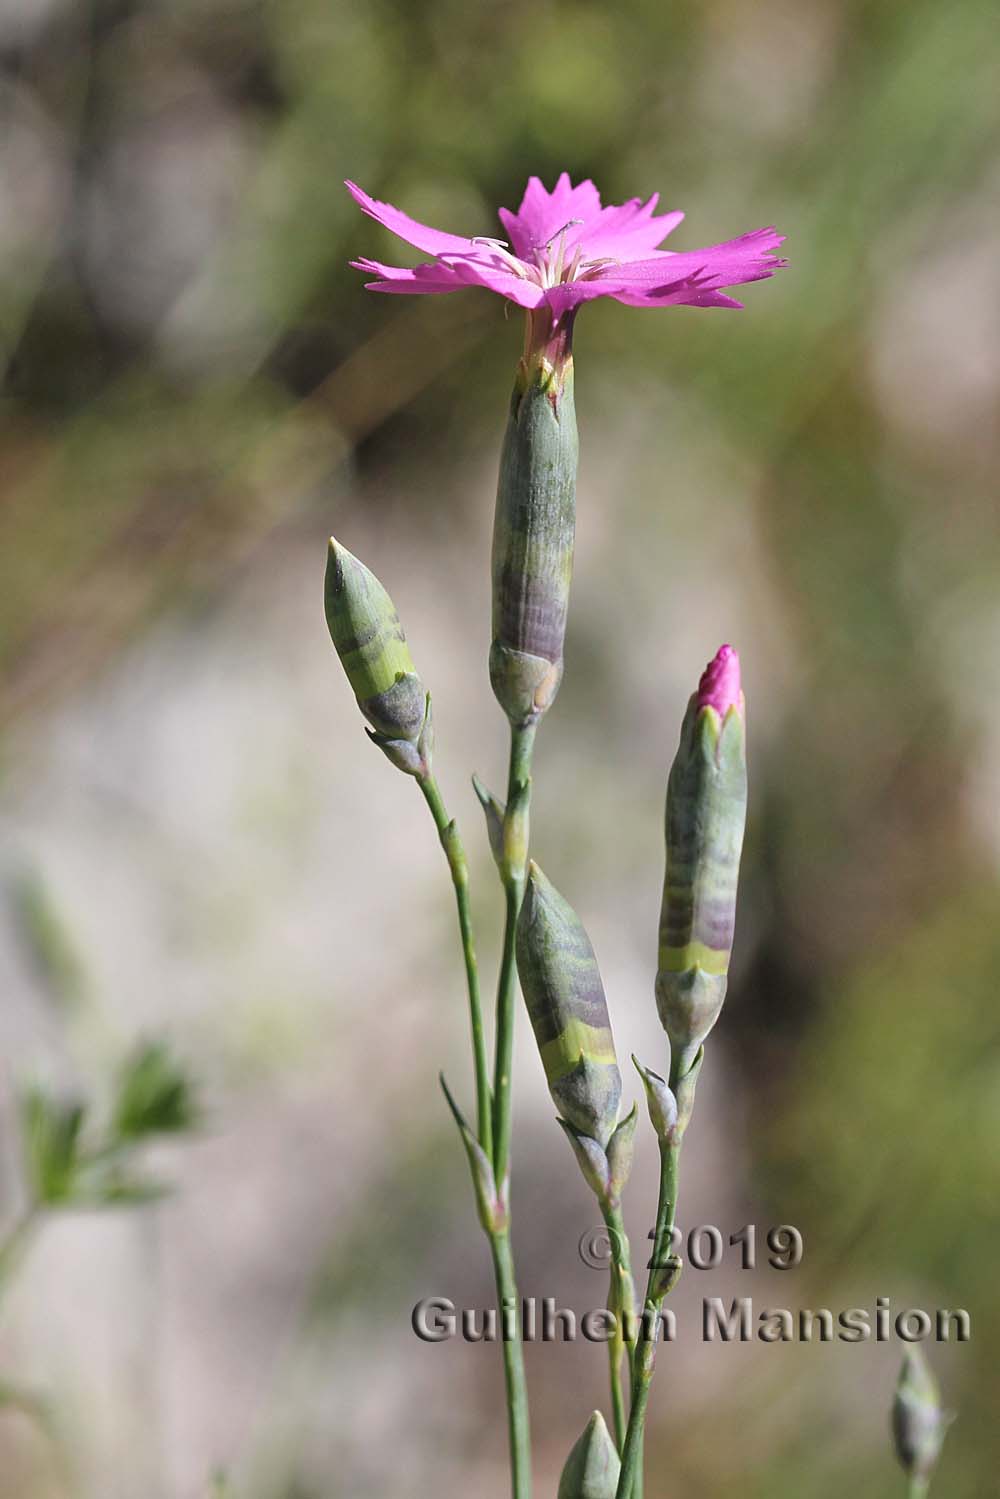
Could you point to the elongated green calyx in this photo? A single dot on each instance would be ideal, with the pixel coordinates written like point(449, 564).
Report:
point(533, 533)
point(918, 1422)
point(706, 813)
point(593, 1467)
point(366, 631)
point(568, 1011)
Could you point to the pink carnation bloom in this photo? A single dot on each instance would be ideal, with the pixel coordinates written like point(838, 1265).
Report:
point(564, 249)
point(719, 687)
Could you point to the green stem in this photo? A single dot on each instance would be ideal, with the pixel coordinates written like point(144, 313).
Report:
point(630, 1482)
point(621, 1303)
point(452, 845)
point(522, 741)
point(503, 1261)
point(518, 1431)
point(512, 872)
point(918, 1488)
point(617, 1394)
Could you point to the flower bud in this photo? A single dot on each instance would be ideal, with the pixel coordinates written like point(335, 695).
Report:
point(918, 1422)
point(568, 1011)
point(533, 533)
point(661, 1101)
point(495, 813)
point(684, 1091)
point(621, 1149)
point(666, 1276)
point(706, 813)
point(593, 1467)
point(365, 629)
point(592, 1160)
point(489, 1204)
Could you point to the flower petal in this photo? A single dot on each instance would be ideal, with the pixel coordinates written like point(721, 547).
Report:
point(667, 280)
point(543, 214)
point(627, 230)
point(450, 273)
point(757, 242)
point(431, 241)
point(481, 269)
point(422, 280)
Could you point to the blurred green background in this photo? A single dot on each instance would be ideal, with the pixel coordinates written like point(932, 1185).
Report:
point(198, 842)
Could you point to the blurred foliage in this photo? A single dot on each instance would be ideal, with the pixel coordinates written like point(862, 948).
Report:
point(66, 1168)
point(43, 933)
point(154, 1095)
point(50, 1129)
point(190, 371)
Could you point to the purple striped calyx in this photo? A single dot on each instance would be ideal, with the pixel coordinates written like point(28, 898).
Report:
point(370, 642)
point(568, 1011)
point(534, 531)
point(705, 819)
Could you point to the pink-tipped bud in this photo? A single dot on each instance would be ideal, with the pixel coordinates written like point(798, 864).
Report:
point(719, 687)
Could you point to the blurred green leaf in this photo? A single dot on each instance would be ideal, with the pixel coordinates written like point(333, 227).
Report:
point(46, 935)
point(155, 1095)
point(50, 1134)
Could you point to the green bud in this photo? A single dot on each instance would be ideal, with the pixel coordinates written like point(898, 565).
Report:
point(661, 1101)
point(592, 1160)
point(490, 1207)
point(918, 1422)
point(666, 1276)
point(568, 1011)
point(593, 1467)
point(533, 535)
point(706, 813)
point(684, 1091)
point(621, 1149)
point(494, 812)
point(369, 639)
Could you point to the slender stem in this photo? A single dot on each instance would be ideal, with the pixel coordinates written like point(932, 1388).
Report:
point(512, 871)
point(522, 740)
point(617, 1395)
point(503, 1260)
point(917, 1487)
point(630, 1482)
point(452, 844)
point(518, 1431)
point(621, 1303)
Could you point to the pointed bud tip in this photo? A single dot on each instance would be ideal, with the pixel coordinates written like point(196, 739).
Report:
point(719, 687)
point(593, 1467)
point(334, 565)
point(918, 1422)
point(534, 887)
point(916, 1377)
point(596, 1428)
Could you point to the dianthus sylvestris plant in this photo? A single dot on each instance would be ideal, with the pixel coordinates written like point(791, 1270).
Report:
point(561, 249)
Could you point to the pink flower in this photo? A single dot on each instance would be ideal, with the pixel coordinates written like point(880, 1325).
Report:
point(564, 249)
point(719, 687)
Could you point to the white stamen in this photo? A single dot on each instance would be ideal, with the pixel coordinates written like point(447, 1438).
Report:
point(591, 268)
point(569, 224)
point(501, 250)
